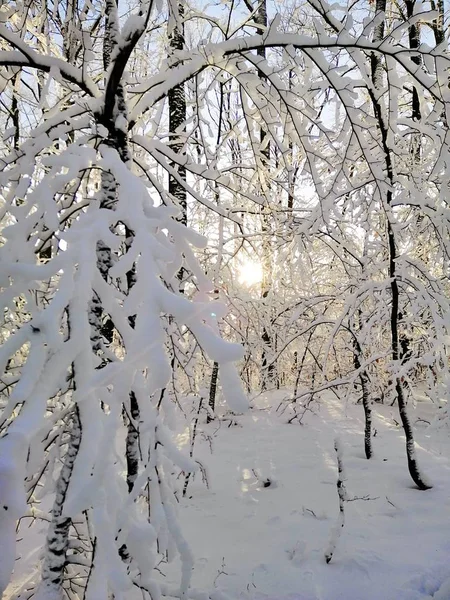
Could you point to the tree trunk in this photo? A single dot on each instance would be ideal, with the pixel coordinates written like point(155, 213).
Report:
point(57, 541)
point(438, 24)
point(413, 466)
point(367, 403)
point(268, 367)
point(414, 43)
point(177, 122)
point(212, 392)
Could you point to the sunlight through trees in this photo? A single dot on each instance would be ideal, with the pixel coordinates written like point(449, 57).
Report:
point(199, 203)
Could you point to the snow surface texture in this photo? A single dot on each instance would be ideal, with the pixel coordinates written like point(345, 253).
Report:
point(12, 500)
point(261, 529)
point(268, 543)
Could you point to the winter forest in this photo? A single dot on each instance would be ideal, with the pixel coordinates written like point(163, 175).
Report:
point(224, 276)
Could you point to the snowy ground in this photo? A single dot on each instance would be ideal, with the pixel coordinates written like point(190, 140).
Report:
point(257, 542)
point(267, 543)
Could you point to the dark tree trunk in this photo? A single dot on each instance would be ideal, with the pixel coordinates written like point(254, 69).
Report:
point(438, 24)
point(366, 400)
point(212, 392)
point(413, 465)
point(268, 366)
point(367, 404)
point(414, 43)
point(15, 110)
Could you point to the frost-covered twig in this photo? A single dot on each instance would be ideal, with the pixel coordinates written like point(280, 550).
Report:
point(301, 410)
point(193, 436)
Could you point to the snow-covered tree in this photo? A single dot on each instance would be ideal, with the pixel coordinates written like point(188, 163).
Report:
point(92, 257)
point(109, 150)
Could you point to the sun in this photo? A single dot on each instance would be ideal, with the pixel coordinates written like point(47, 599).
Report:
point(250, 273)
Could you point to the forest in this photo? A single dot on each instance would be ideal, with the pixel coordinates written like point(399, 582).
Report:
point(224, 273)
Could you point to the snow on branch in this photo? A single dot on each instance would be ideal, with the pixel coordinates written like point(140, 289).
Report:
point(27, 57)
